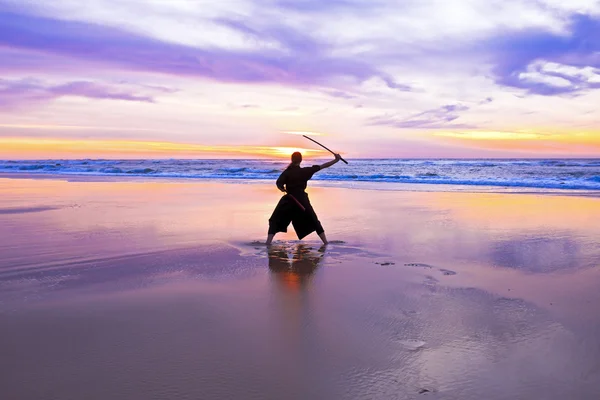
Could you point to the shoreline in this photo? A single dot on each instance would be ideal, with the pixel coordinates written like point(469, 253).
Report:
point(354, 185)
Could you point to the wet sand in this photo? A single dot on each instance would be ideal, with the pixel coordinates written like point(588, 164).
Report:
point(155, 290)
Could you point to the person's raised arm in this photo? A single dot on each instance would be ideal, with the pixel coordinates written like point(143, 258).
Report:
point(330, 163)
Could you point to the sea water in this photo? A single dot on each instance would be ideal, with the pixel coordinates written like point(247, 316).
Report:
point(498, 174)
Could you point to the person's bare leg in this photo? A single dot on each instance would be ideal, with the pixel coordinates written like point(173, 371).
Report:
point(269, 238)
point(323, 237)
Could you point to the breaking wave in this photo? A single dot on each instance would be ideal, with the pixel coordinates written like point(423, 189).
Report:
point(573, 174)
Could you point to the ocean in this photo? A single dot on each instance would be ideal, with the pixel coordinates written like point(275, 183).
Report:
point(483, 174)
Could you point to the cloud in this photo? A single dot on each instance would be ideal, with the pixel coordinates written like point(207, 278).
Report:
point(318, 6)
point(303, 61)
point(94, 91)
point(548, 63)
point(549, 78)
point(431, 119)
point(568, 143)
point(85, 148)
point(311, 55)
point(16, 93)
point(246, 106)
point(494, 135)
point(340, 94)
point(310, 42)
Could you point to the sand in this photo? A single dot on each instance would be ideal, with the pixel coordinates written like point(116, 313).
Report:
point(155, 290)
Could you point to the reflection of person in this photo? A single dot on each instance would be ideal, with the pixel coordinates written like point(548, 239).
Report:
point(297, 271)
point(293, 182)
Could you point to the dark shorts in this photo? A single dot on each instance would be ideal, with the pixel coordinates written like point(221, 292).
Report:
point(287, 210)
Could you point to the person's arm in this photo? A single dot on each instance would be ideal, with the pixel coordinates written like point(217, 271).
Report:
point(330, 163)
point(281, 181)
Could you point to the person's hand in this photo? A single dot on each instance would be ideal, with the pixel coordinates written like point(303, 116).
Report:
point(337, 157)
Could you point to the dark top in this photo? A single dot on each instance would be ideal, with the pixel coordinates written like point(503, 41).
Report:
point(294, 178)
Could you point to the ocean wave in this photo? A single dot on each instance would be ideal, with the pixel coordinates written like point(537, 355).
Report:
point(248, 170)
point(142, 171)
point(267, 171)
point(111, 170)
point(36, 167)
point(550, 174)
point(232, 170)
point(594, 178)
point(537, 183)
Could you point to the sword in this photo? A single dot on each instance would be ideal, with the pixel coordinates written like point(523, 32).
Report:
point(297, 202)
point(313, 140)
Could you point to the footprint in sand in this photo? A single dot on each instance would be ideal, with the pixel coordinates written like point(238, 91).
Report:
point(418, 265)
point(409, 313)
point(447, 272)
point(430, 280)
point(412, 344)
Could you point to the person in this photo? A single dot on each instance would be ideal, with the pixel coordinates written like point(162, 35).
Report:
point(295, 205)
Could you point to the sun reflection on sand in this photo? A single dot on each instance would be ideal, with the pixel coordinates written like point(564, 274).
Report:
point(295, 273)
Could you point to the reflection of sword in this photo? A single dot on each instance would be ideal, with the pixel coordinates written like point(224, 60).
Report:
point(297, 202)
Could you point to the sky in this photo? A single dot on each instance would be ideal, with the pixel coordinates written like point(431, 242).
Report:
point(233, 78)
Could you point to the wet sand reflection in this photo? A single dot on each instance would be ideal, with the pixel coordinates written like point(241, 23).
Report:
point(296, 273)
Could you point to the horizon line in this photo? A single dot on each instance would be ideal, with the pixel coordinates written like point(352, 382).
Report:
point(306, 157)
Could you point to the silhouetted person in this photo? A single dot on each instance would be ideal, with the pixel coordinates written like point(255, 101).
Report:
point(293, 182)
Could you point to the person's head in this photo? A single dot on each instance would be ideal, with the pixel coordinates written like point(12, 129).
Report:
point(296, 158)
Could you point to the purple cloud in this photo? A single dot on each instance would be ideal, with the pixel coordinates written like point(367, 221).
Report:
point(519, 57)
point(242, 106)
point(302, 61)
point(286, 37)
point(316, 6)
point(304, 47)
point(94, 91)
point(430, 119)
point(28, 91)
point(340, 94)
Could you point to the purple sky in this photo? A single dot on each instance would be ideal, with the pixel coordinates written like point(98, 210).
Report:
point(381, 78)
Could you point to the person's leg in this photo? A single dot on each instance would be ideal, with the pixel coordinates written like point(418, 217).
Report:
point(312, 215)
point(320, 231)
point(323, 237)
point(277, 225)
point(280, 219)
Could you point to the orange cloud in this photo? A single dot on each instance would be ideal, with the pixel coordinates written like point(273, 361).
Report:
point(68, 148)
point(576, 143)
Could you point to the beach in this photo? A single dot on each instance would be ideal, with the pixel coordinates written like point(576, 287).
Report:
point(160, 289)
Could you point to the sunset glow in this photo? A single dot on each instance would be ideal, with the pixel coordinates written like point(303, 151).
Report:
point(304, 133)
point(574, 144)
point(33, 148)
